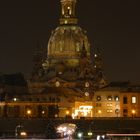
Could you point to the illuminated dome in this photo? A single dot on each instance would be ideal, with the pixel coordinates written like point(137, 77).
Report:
point(67, 42)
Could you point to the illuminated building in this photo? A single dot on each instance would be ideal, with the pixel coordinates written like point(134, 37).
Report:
point(68, 80)
point(71, 72)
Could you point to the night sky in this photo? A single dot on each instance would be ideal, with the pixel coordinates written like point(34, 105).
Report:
point(113, 25)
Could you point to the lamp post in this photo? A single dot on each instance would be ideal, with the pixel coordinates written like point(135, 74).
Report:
point(133, 113)
point(99, 112)
point(80, 135)
point(28, 113)
point(67, 112)
point(19, 132)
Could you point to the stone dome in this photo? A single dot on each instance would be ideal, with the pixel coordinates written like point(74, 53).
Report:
point(66, 42)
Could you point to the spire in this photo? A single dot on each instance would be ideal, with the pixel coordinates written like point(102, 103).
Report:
point(68, 12)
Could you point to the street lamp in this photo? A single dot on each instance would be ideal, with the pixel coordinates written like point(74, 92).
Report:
point(19, 132)
point(99, 112)
point(28, 112)
point(23, 134)
point(133, 112)
point(80, 135)
point(67, 112)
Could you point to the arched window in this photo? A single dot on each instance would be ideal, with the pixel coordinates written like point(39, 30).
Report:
point(98, 98)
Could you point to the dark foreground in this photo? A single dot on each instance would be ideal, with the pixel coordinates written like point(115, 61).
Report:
point(46, 128)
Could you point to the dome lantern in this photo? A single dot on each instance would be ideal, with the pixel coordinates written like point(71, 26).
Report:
point(68, 12)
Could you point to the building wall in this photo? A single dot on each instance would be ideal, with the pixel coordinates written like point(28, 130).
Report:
point(121, 104)
point(130, 108)
point(106, 104)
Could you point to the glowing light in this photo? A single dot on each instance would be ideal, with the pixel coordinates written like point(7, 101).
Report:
point(67, 112)
point(98, 137)
point(66, 129)
point(43, 112)
point(116, 98)
point(29, 112)
point(109, 98)
point(15, 99)
point(87, 84)
point(57, 83)
point(60, 72)
point(86, 107)
point(86, 94)
point(134, 100)
point(80, 134)
point(95, 55)
point(84, 111)
point(23, 133)
point(133, 111)
point(66, 21)
point(99, 111)
point(89, 133)
point(98, 98)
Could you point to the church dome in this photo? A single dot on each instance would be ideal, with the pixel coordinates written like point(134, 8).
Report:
point(67, 42)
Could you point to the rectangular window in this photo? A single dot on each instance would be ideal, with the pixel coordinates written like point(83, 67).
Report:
point(124, 100)
point(109, 110)
point(125, 112)
point(108, 104)
point(134, 100)
point(98, 105)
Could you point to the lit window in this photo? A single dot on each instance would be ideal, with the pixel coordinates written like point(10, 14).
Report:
point(57, 83)
point(108, 104)
point(109, 98)
point(116, 98)
point(109, 110)
point(86, 94)
point(98, 98)
point(87, 84)
point(134, 100)
point(66, 21)
point(95, 55)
